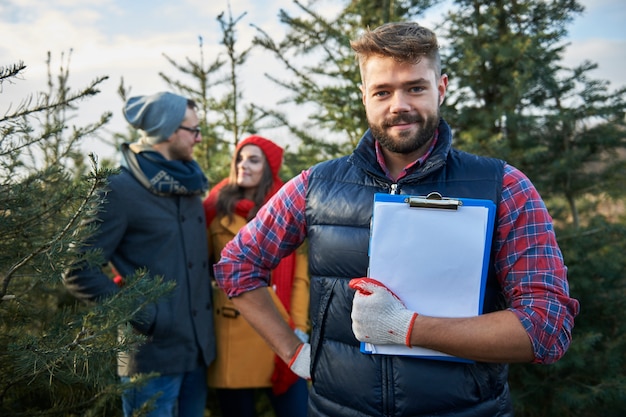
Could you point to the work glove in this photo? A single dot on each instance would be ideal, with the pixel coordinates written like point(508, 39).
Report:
point(283, 377)
point(300, 363)
point(378, 315)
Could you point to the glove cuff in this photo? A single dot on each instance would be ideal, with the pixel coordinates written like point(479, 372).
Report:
point(300, 363)
point(407, 340)
point(400, 326)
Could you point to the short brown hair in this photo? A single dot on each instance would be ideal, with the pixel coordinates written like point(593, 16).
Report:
point(403, 41)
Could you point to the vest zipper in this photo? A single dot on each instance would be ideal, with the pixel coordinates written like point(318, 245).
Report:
point(394, 188)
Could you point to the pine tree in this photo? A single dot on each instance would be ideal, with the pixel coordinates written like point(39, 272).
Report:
point(510, 97)
point(217, 88)
point(57, 357)
point(207, 78)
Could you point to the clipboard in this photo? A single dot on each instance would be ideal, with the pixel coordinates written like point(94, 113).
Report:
point(433, 253)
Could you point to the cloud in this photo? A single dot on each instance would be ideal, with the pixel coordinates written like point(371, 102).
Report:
point(604, 53)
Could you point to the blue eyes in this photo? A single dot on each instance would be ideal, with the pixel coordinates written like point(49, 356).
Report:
point(412, 90)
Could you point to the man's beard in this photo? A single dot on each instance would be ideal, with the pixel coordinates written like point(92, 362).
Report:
point(180, 154)
point(406, 142)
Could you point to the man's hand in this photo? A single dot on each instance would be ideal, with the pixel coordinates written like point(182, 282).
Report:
point(300, 363)
point(378, 315)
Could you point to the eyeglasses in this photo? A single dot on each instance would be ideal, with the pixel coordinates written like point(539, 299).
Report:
point(194, 130)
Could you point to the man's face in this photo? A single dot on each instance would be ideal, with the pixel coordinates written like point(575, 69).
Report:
point(182, 142)
point(402, 103)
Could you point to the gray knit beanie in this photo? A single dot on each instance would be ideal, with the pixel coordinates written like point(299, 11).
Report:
point(158, 115)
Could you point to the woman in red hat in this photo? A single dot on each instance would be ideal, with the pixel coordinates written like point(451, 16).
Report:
point(245, 364)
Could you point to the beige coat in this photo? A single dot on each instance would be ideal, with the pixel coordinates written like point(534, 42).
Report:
point(243, 359)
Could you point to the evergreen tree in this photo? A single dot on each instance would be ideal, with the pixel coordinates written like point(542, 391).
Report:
point(578, 136)
point(57, 357)
point(217, 88)
point(207, 78)
point(500, 58)
point(510, 97)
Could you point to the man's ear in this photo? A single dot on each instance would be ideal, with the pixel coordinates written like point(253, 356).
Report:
point(362, 88)
point(442, 87)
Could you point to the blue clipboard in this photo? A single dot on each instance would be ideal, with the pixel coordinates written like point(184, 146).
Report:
point(433, 253)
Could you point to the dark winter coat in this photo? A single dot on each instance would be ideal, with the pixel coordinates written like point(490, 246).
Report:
point(167, 235)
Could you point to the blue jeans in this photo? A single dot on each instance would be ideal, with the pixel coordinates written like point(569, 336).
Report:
point(241, 402)
point(180, 395)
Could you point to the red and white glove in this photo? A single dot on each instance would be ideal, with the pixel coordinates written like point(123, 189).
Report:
point(378, 315)
point(300, 363)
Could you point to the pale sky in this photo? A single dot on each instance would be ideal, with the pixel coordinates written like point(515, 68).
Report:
point(127, 38)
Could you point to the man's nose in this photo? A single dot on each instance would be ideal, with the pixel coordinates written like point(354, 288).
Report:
point(399, 103)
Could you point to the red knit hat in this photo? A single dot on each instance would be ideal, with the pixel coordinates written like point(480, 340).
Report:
point(273, 152)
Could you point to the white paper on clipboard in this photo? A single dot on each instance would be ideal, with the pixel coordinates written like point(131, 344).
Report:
point(434, 259)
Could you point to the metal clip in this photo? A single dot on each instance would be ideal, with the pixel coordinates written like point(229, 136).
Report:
point(434, 200)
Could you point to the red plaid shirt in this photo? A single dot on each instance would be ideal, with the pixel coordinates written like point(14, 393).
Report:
point(528, 262)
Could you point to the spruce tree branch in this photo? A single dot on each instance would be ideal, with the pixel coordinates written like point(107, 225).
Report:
point(49, 367)
point(44, 105)
point(69, 409)
point(69, 226)
point(6, 73)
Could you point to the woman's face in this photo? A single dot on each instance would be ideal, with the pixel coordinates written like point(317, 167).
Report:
point(250, 163)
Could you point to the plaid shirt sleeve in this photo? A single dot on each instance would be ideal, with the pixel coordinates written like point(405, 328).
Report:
point(530, 268)
point(278, 229)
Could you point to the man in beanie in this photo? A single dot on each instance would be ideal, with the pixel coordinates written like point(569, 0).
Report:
point(152, 218)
